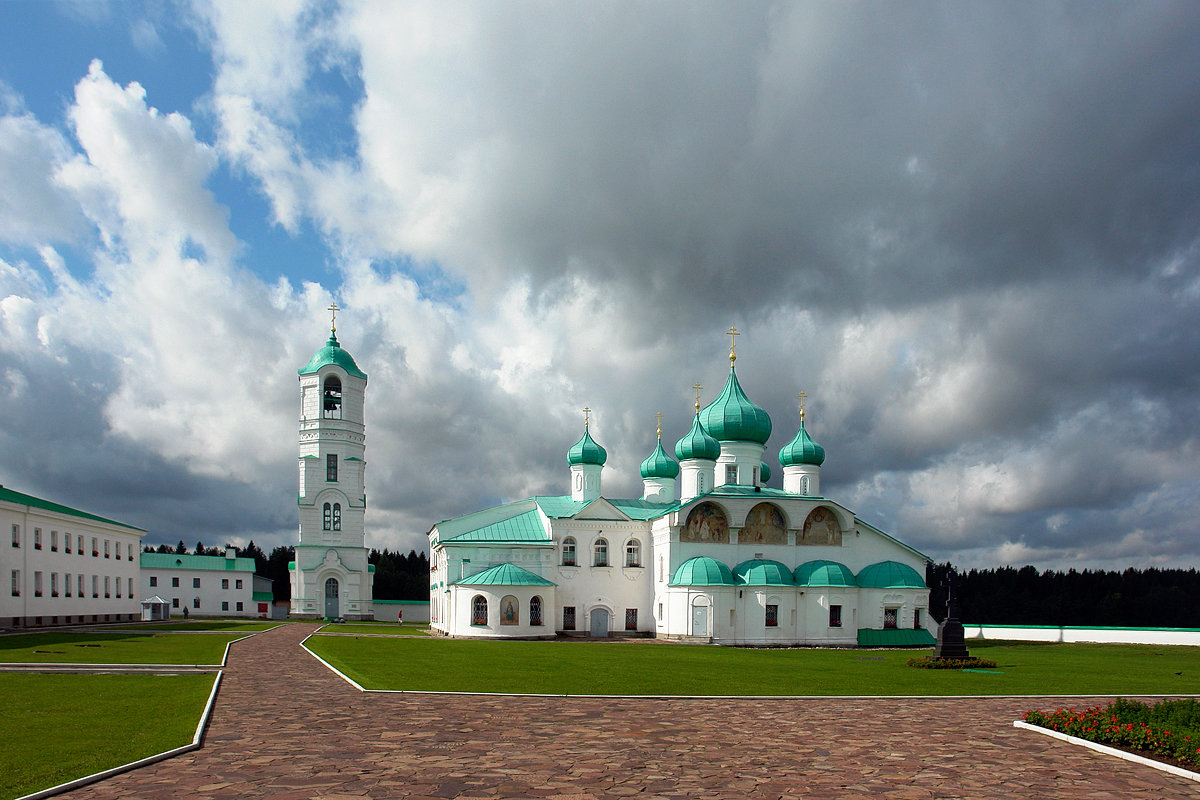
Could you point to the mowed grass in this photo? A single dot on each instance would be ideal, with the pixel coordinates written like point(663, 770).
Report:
point(565, 667)
point(201, 625)
point(56, 728)
point(114, 648)
point(378, 628)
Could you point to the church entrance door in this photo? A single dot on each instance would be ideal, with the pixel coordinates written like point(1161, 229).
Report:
point(331, 599)
point(699, 620)
point(599, 626)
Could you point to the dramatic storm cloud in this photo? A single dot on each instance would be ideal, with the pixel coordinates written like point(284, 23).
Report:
point(970, 233)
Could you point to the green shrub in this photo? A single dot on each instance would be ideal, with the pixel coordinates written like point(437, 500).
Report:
point(931, 662)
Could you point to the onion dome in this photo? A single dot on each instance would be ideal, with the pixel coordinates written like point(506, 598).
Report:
point(586, 451)
point(890, 575)
point(702, 571)
point(697, 443)
point(733, 417)
point(764, 472)
point(802, 450)
point(762, 572)
point(332, 353)
point(659, 464)
point(824, 573)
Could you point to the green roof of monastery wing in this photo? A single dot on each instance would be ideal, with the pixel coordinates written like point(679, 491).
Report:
point(659, 465)
point(733, 417)
point(525, 527)
point(890, 575)
point(8, 495)
point(504, 575)
point(762, 572)
point(586, 451)
point(702, 571)
point(801, 450)
point(697, 443)
point(563, 507)
point(895, 637)
point(175, 561)
point(332, 353)
point(824, 573)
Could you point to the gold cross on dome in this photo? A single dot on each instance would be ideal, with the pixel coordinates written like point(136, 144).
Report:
point(697, 387)
point(802, 395)
point(733, 332)
point(586, 417)
point(658, 416)
point(333, 307)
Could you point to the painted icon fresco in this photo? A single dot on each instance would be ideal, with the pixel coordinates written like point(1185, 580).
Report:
point(706, 523)
point(764, 525)
point(821, 527)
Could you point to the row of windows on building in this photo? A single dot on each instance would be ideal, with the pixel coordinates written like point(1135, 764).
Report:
point(238, 605)
point(110, 547)
point(70, 582)
point(237, 582)
point(633, 553)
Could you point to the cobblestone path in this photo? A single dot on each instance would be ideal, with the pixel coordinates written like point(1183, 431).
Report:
point(285, 728)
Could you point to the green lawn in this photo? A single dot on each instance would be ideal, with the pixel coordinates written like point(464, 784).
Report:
point(379, 628)
point(558, 667)
point(56, 728)
point(114, 648)
point(201, 625)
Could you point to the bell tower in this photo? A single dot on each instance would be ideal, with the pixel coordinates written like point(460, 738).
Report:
point(330, 577)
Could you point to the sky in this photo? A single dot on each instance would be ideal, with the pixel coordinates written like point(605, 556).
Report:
point(969, 232)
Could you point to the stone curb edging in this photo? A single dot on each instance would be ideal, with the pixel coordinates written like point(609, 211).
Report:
point(85, 667)
point(197, 740)
point(1109, 751)
point(329, 666)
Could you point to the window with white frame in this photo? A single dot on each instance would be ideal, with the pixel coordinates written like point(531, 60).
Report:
point(225, 585)
point(633, 553)
point(37, 584)
point(237, 584)
point(66, 542)
point(95, 547)
point(54, 584)
point(79, 542)
point(174, 583)
point(16, 583)
point(239, 605)
point(224, 605)
point(79, 583)
point(835, 616)
point(107, 588)
point(195, 583)
point(153, 581)
point(195, 602)
point(568, 552)
point(16, 535)
point(37, 538)
point(772, 619)
point(731, 473)
point(67, 584)
point(535, 610)
point(95, 586)
point(631, 619)
point(337, 516)
point(129, 584)
point(479, 612)
point(53, 541)
point(600, 553)
point(891, 617)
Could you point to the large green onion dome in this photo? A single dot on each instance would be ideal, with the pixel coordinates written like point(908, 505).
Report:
point(733, 417)
point(697, 443)
point(332, 353)
point(763, 572)
point(764, 472)
point(802, 450)
point(586, 451)
point(659, 465)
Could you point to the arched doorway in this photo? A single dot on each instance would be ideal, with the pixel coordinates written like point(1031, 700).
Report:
point(599, 623)
point(700, 619)
point(332, 609)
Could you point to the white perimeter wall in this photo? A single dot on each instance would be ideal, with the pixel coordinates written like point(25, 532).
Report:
point(1072, 634)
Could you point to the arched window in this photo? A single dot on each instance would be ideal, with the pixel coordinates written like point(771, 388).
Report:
point(600, 553)
point(332, 400)
point(337, 516)
point(327, 519)
point(479, 610)
point(509, 611)
point(535, 610)
point(568, 552)
point(633, 553)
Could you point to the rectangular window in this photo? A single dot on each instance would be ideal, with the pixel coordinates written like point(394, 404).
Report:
point(37, 584)
point(79, 583)
point(568, 557)
point(106, 552)
point(890, 617)
point(95, 548)
point(195, 583)
point(153, 581)
point(95, 586)
point(239, 606)
point(174, 602)
point(772, 616)
point(67, 583)
point(917, 619)
point(174, 583)
point(631, 619)
point(225, 585)
point(66, 542)
point(224, 605)
point(118, 550)
point(195, 602)
point(107, 587)
point(16, 583)
point(54, 584)
point(80, 543)
point(731, 473)
point(237, 584)
point(117, 581)
point(16, 530)
point(37, 538)
point(568, 618)
point(835, 616)
point(53, 541)
point(331, 467)
point(129, 585)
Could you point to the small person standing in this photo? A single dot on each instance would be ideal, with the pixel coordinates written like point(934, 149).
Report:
point(400, 617)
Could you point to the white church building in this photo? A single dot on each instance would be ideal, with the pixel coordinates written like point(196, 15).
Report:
point(708, 553)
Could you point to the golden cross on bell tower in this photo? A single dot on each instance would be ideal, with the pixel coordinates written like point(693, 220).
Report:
point(586, 417)
point(333, 307)
point(658, 416)
point(697, 387)
point(802, 395)
point(733, 332)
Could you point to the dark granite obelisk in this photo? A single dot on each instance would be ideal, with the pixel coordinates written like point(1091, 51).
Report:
point(950, 640)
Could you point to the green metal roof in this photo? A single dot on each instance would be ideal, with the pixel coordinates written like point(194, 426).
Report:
point(702, 571)
point(332, 353)
point(563, 507)
point(217, 563)
point(263, 597)
point(697, 443)
point(8, 495)
point(895, 637)
point(504, 575)
point(824, 573)
point(802, 450)
point(525, 527)
point(733, 417)
point(586, 451)
point(659, 465)
point(763, 572)
point(890, 575)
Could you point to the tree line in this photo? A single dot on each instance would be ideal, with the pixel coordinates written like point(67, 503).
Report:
point(1149, 598)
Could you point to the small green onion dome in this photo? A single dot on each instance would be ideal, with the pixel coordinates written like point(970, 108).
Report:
point(332, 353)
point(697, 443)
point(702, 571)
point(732, 417)
point(586, 451)
point(659, 465)
point(802, 450)
point(764, 472)
point(890, 575)
point(824, 573)
point(763, 572)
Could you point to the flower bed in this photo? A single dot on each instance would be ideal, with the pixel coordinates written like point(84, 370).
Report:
point(930, 662)
point(1169, 730)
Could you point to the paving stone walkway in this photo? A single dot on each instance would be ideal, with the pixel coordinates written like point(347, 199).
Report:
point(285, 728)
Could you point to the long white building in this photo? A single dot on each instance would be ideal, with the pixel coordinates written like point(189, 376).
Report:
point(65, 566)
point(223, 586)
